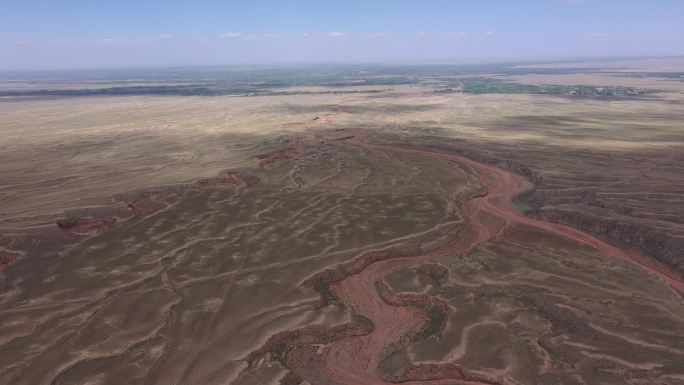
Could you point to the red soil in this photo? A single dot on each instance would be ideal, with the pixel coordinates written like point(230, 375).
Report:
point(356, 360)
point(86, 225)
point(502, 186)
point(234, 178)
point(8, 256)
point(280, 344)
point(269, 159)
point(137, 205)
point(143, 205)
point(147, 204)
point(397, 318)
point(427, 372)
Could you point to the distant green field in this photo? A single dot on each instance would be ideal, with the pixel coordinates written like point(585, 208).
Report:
point(496, 86)
point(236, 81)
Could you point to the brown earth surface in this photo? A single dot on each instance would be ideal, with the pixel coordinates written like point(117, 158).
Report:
point(398, 237)
point(287, 273)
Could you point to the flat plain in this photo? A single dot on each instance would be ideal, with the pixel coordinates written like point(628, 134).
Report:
point(494, 224)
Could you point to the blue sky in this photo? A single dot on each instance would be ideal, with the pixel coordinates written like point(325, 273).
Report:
point(81, 34)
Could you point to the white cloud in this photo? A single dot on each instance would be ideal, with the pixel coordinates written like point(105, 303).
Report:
point(112, 40)
point(24, 42)
point(377, 34)
point(337, 34)
point(489, 33)
point(230, 35)
point(421, 33)
point(153, 39)
point(202, 39)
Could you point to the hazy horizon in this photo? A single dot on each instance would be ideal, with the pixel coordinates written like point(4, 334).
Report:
point(266, 65)
point(81, 35)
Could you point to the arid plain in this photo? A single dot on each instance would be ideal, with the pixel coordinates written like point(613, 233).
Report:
point(519, 224)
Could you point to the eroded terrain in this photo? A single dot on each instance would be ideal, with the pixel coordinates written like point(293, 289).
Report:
point(370, 237)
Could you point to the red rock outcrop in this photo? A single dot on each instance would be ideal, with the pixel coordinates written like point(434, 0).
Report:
point(435, 308)
point(279, 345)
point(427, 372)
point(86, 225)
point(267, 160)
point(147, 203)
point(8, 256)
point(233, 178)
point(355, 266)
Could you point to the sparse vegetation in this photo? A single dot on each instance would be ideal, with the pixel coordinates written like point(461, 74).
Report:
point(350, 217)
point(331, 79)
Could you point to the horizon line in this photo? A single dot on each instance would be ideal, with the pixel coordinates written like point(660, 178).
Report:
point(407, 62)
